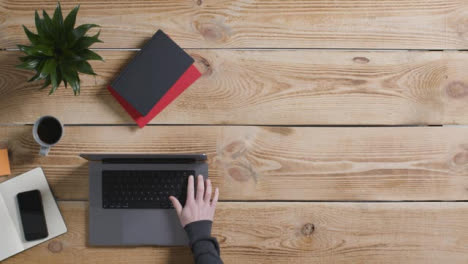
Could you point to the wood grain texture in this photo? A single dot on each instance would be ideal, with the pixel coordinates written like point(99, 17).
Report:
point(393, 24)
point(388, 233)
point(273, 163)
point(280, 87)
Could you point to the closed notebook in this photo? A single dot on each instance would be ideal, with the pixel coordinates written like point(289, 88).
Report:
point(190, 76)
point(152, 73)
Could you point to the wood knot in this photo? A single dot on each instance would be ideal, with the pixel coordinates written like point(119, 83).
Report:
point(284, 131)
point(202, 64)
point(233, 158)
point(214, 31)
point(55, 246)
point(457, 89)
point(235, 149)
point(199, 2)
point(361, 60)
point(221, 239)
point(461, 158)
point(239, 174)
point(308, 229)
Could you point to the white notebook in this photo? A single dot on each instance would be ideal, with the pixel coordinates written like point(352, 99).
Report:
point(11, 231)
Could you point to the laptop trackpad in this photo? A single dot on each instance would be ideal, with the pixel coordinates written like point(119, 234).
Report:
point(152, 227)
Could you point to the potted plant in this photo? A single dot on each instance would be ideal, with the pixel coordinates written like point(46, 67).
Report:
point(59, 51)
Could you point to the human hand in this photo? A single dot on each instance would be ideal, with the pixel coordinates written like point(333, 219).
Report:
point(196, 208)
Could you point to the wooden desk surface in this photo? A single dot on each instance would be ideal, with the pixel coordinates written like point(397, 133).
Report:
point(334, 129)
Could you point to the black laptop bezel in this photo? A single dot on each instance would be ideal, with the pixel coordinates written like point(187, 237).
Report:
point(138, 158)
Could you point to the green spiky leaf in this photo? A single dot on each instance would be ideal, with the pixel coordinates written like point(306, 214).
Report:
point(48, 25)
point(86, 42)
point(87, 54)
point(59, 51)
point(85, 67)
point(49, 66)
point(29, 64)
point(71, 76)
point(46, 83)
point(39, 25)
point(37, 50)
point(58, 18)
point(39, 74)
point(24, 58)
point(36, 77)
point(79, 32)
point(34, 38)
point(71, 19)
point(54, 81)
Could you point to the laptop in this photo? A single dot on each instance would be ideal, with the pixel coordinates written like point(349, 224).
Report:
point(128, 197)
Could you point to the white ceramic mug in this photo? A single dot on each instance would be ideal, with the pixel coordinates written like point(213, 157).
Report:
point(47, 131)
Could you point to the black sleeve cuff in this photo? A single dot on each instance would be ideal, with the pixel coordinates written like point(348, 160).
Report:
point(198, 230)
point(204, 247)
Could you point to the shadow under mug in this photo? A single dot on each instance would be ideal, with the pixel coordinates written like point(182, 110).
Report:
point(47, 131)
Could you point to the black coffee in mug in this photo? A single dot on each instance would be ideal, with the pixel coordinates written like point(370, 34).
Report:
point(49, 130)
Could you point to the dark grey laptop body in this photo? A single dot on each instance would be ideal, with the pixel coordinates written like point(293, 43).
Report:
point(133, 227)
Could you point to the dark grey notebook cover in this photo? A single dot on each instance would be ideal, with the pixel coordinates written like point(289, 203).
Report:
point(152, 72)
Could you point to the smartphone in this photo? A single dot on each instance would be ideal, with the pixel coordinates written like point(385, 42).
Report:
point(32, 215)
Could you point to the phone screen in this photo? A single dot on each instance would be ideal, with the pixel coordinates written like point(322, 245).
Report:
point(32, 215)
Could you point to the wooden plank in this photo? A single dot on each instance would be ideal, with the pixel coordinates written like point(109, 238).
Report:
point(273, 163)
point(280, 87)
point(393, 24)
point(344, 233)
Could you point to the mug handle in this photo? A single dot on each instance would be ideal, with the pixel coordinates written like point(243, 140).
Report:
point(44, 151)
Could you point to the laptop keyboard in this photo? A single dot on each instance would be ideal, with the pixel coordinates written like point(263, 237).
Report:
point(143, 189)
